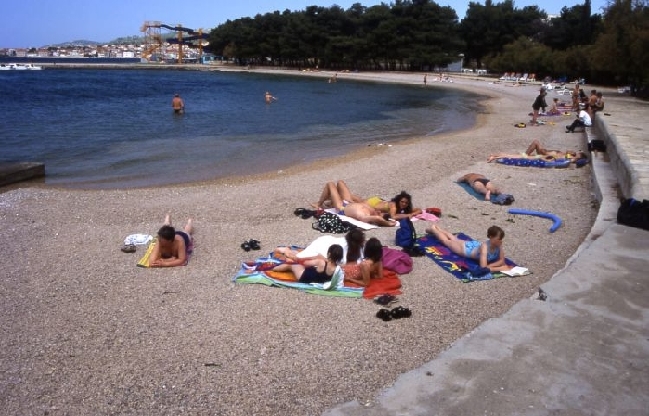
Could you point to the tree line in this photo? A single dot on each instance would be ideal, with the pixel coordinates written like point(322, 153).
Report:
point(420, 35)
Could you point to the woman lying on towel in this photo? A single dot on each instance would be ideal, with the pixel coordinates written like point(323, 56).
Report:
point(489, 253)
point(352, 244)
point(370, 267)
point(536, 150)
point(315, 269)
point(338, 195)
point(480, 184)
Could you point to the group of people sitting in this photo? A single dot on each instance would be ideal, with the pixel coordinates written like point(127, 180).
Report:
point(361, 260)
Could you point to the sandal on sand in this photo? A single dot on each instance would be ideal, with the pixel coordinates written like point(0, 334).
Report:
point(400, 312)
point(245, 245)
point(254, 244)
point(128, 248)
point(384, 314)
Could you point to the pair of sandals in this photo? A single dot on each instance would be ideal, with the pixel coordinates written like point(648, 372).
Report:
point(304, 213)
point(251, 245)
point(396, 313)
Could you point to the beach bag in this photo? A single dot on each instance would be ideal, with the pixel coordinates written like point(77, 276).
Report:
point(405, 237)
point(634, 213)
point(331, 223)
point(397, 261)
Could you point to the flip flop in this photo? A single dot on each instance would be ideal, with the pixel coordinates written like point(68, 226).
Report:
point(520, 125)
point(245, 245)
point(254, 244)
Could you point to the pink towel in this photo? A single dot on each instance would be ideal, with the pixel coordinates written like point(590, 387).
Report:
point(426, 217)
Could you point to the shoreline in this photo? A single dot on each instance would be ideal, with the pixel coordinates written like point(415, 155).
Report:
point(85, 331)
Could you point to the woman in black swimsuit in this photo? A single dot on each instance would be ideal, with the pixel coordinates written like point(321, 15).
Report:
point(480, 184)
point(315, 269)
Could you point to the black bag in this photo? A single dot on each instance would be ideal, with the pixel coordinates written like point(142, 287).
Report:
point(331, 223)
point(634, 213)
point(597, 145)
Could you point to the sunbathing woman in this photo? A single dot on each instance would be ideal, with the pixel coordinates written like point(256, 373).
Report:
point(371, 267)
point(480, 184)
point(339, 197)
point(398, 207)
point(315, 269)
point(352, 244)
point(489, 254)
point(535, 150)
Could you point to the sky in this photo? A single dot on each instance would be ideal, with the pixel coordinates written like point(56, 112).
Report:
point(36, 23)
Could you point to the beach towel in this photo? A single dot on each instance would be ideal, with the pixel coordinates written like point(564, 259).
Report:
point(461, 267)
point(258, 271)
point(475, 193)
point(537, 163)
point(144, 261)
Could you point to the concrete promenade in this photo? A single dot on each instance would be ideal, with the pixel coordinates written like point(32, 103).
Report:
point(585, 349)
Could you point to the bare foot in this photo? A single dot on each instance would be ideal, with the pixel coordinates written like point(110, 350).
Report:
point(167, 219)
point(189, 227)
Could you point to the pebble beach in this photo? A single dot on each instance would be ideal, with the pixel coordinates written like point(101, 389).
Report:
point(85, 331)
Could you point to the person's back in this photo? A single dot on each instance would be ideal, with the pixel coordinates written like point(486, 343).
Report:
point(177, 104)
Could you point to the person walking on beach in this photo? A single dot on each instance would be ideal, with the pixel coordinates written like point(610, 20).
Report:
point(173, 247)
point(178, 104)
point(269, 98)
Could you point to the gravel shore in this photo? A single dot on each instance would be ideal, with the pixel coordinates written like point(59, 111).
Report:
point(84, 331)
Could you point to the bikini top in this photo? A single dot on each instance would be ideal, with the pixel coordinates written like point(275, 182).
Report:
point(491, 257)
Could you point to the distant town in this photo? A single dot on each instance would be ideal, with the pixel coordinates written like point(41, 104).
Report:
point(162, 52)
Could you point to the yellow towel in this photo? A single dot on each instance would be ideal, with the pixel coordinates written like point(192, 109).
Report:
point(144, 261)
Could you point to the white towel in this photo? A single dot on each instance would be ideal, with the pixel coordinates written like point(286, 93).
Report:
point(138, 239)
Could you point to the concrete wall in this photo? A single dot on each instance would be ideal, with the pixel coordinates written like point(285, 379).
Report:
point(619, 160)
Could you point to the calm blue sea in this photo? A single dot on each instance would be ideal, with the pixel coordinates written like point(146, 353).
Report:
point(115, 128)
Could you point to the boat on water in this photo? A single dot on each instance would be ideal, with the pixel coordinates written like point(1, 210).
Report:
point(20, 67)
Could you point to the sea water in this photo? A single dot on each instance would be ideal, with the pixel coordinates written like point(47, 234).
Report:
point(100, 128)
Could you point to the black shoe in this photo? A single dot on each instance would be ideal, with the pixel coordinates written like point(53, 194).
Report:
point(384, 314)
point(254, 244)
point(245, 245)
point(400, 312)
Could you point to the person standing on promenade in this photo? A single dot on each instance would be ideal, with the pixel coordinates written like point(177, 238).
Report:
point(178, 104)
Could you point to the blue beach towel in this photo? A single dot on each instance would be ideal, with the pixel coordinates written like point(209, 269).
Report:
point(467, 270)
point(502, 199)
point(537, 163)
